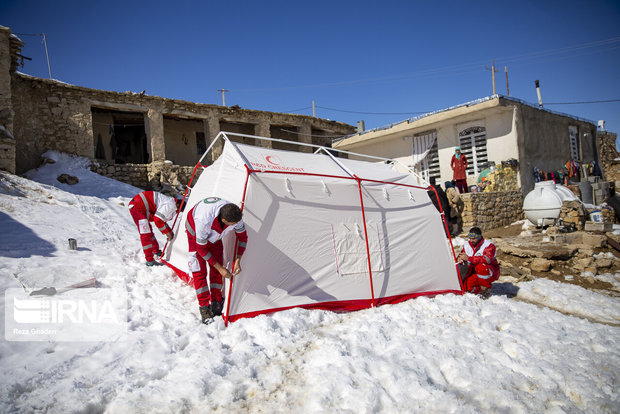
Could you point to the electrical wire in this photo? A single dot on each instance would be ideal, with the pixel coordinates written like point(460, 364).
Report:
point(425, 112)
point(583, 102)
point(297, 110)
point(371, 113)
point(318, 136)
point(461, 68)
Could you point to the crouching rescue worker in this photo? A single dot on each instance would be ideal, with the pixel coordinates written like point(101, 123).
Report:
point(156, 207)
point(207, 222)
point(479, 265)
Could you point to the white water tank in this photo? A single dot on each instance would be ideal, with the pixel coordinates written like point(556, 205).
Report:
point(542, 205)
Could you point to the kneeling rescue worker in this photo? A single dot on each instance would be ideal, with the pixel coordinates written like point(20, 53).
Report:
point(478, 255)
point(156, 207)
point(207, 222)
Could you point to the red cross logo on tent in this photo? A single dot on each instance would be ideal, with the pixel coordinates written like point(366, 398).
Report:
point(273, 160)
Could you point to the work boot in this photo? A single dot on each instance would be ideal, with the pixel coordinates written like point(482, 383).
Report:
point(206, 315)
point(216, 308)
point(484, 293)
point(154, 263)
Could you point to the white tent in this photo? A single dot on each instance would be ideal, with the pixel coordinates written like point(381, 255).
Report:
point(324, 232)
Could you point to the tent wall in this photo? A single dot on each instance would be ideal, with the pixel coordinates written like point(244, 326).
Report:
point(305, 230)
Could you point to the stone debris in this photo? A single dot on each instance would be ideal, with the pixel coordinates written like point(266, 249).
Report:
point(540, 265)
point(68, 179)
point(538, 253)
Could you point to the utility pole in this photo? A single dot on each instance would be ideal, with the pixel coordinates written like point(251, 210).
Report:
point(507, 88)
point(49, 69)
point(493, 70)
point(313, 109)
point(223, 96)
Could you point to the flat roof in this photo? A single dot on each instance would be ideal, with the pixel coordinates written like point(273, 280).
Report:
point(406, 123)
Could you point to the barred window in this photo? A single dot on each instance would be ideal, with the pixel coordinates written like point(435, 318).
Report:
point(473, 143)
point(429, 166)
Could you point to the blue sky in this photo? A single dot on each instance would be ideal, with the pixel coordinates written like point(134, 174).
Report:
point(380, 61)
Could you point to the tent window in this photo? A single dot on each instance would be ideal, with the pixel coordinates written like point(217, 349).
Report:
point(473, 142)
point(350, 248)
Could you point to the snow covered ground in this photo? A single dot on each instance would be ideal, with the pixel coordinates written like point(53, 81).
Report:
point(451, 353)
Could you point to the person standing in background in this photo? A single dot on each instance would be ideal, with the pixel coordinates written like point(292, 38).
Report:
point(456, 208)
point(459, 166)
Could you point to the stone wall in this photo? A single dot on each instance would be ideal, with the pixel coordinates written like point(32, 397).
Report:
point(49, 115)
point(491, 210)
point(134, 174)
point(167, 178)
point(609, 157)
point(10, 47)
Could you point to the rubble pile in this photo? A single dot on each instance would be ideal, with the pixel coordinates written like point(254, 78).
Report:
point(573, 213)
point(501, 178)
point(576, 257)
point(608, 213)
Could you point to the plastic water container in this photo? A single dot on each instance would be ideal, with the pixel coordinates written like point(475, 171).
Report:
point(565, 193)
point(542, 205)
point(597, 216)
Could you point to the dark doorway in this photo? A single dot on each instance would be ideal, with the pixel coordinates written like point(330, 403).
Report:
point(123, 136)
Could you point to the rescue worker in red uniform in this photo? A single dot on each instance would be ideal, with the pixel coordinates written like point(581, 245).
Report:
point(156, 207)
point(482, 268)
point(459, 163)
point(207, 222)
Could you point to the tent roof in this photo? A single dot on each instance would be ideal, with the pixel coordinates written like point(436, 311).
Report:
point(322, 162)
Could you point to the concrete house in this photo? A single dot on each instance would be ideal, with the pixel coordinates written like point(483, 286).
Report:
point(489, 131)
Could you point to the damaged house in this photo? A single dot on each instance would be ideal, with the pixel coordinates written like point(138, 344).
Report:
point(133, 137)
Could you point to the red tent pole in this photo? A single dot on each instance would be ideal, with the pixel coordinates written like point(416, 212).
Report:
point(245, 189)
point(372, 289)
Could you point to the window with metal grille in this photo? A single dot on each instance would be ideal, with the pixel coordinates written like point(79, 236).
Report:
point(573, 139)
point(429, 166)
point(473, 143)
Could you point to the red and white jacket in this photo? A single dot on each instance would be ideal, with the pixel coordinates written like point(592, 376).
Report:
point(483, 252)
point(203, 223)
point(157, 208)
